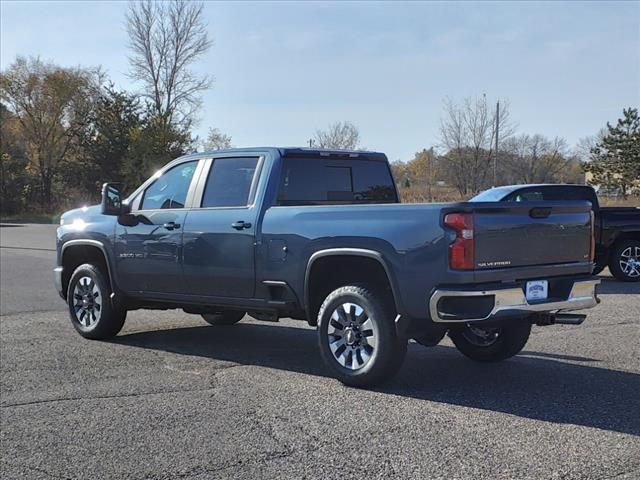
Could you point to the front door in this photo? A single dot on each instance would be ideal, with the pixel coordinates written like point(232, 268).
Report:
point(148, 254)
point(219, 232)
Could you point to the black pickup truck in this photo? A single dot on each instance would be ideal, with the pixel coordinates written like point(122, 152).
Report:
point(321, 236)
point(617, 229)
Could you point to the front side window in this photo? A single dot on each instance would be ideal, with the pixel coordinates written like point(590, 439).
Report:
point(229, 182)
point(170, 189)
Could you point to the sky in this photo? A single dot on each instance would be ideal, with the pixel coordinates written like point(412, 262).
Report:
point(283, 70)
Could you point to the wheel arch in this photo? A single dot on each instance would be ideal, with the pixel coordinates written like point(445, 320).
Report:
point(375, 268)
point(76, 252)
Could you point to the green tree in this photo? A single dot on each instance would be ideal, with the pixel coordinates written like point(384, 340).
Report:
point(14, 179)
point(615, 160)
point(152, 145)
point(107, 140)
point(53, 106)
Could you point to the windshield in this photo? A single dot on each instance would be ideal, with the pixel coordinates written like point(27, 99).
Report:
point(492, 195)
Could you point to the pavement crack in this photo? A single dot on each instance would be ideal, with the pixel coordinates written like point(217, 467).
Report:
point(36, 469)
point(102, 397)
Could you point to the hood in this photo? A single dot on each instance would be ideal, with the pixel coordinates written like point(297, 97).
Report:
point(85, 214)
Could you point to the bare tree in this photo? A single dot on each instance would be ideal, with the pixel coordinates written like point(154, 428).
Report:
point(53, 106)
point(536, 159)
point(165, 39)
point(467, 133)
point(586, 144)
point(216, 140)
point(338, 136)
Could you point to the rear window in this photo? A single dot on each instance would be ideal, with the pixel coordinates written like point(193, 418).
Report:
point(313, 181)
point(552, 194)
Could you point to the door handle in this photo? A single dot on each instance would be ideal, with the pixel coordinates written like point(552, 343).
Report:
point(239, 225)
point(171, 225)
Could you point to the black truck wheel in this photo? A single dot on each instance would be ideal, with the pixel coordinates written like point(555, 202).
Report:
point(357, 336)
point(227, 317)
point(491, 344)
point(624, 261)
point(92, 313)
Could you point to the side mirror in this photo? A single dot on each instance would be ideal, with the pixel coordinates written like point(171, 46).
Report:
point(112, 200)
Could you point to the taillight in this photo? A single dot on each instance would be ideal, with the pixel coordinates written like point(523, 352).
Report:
point(593, 237)
point(461, 256)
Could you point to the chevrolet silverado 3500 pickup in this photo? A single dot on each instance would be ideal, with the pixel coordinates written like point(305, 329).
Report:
point(321, 236)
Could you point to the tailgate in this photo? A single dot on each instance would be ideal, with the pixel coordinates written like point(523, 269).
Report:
point(521, 234)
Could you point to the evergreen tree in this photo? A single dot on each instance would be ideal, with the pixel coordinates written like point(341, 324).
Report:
point(106, 141)
point(615, 160)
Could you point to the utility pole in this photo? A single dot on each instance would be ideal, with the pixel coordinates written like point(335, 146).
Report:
point(311, 143)
point(495, 160)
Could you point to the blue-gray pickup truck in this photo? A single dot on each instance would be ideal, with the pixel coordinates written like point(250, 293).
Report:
point(321, 236)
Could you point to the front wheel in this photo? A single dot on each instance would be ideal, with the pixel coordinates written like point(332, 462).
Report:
point(357, 336)
point(624, 262)
point(90, 308)
point(491, 344)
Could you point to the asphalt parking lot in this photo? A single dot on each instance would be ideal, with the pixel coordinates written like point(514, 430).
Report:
point(172, 397)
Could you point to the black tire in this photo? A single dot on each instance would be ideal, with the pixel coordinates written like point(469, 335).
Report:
point(430, 339)
point(227, 317)
point(503, 343)
point(91, 310)
point(621, 253)
point(377, 352)
point(598, 269)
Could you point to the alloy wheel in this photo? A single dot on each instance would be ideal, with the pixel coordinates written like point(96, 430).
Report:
point(87, 303)
point(352, 336)
point(481, 337)
point(630, 261)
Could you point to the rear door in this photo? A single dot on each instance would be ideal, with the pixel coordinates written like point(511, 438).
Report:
point(219, 232)
point(517, 234)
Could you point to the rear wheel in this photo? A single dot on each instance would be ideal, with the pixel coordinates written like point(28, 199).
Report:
point(624, 262)
point(598, 269)
point(227, 317)
point(491, 344)
point(357, 336)
point(92, 313)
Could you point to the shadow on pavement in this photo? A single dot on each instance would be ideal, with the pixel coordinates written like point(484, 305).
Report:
point(534, 385)
point(611, 285)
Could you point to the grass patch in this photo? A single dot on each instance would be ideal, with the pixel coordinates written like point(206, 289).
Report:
point(47, 218)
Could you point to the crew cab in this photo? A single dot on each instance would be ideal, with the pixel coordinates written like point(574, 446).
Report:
point(321, 236)
point(617, 229)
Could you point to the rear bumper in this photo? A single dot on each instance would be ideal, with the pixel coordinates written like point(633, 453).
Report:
point(507, 302)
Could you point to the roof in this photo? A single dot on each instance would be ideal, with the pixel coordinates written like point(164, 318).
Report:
point(298, 151)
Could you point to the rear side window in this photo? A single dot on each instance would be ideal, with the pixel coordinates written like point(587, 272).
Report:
point(312, 181)
point(526, 196)
point(229, 182)
point(552, 193)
